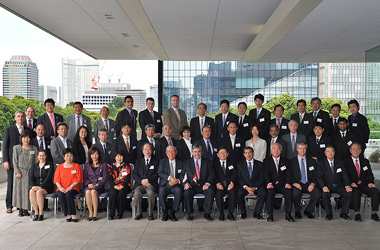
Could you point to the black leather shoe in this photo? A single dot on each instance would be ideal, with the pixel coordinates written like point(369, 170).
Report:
point(231, 217)
point(298, 215)
point(35, 218)
point(329, 217)
point(94, 218)
point(69, 220)
point(276, 207)
point(46, 209)
point(165, 217)
point(221, 217)
point(41, 217)
point(258, 216)
point(20, 213)
point(190, 217)
point(110, 217)
point(270, 218)
point(201, 209)
point(358, 217)
point(345, 216)
point(173, 217)
point(289, 218)
point(26, 213)
point(208, 217)
point(309, 214)
point(75, 220)
point(119, 216)
point(375, 217)
point(243, 216)
point(89, 218)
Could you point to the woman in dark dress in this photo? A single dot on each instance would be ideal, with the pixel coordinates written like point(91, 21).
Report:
point(81, 144)
point(184, 145)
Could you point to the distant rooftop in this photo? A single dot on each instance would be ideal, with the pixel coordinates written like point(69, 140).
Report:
point(20, 58)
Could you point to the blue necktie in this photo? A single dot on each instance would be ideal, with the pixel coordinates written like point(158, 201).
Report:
point(332, 170)
point(224, 120)
point(41, 144)
point(303, 171)
point(250, 169)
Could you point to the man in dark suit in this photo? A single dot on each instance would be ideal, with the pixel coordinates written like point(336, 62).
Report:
point(60, 143)
point(209, 146)
point(12, 138)
point(305, 121)
point(50, 119)
point(233, 143)
point(335, 111)
point(278, 179)
point(320, 116)
point(251, 182)
point(304, 175)
point(148, 136)
point(104, 123)
point(260, 116)
point(169, 172)
point(104, 146)
point(342, 139)
point(292, 139)
point(244, 122)
point(164, 141)
point(145, 176)
point(281, 122)
point(226, 183)
point(317, 142)
point(198, 178)
point(333, 178)
point(222, 120)
point(273, 132)
point(30, 121)
point(358, 124)
point(362, 181)
point(127, 143)
point(76, 120)
point(197, 123)
point(149, 116)
point(127, 115)
point(41, 141)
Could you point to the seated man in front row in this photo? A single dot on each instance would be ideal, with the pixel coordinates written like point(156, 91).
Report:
point(169, 172)
point(198, 177)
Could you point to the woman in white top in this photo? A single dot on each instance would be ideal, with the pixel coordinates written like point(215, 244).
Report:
point(259, 145)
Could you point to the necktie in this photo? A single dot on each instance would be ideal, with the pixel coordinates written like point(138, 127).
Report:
point(277, 165)
point(224, 167)
point(30, 124)
point(357, 168)
point(315, 115)
point(209, 150)
point(78, 123)
point(106, 124)
point(272, 141)
point(344, 134)
point(250, 169)
point(41, 144)
point(278, 123)
point(294, 143)
point(332, 167)
point(233, 142)
point(127, 144)
point(202, 123)
point(303, 171)
point(147, 162)
point(65, 143)
point(52, 123)
point(317, 140)
point(241, 120)
point(301, 118)
point(177, 113)
point(171, 169)
point(151, 114)
point(20, 129)
point(257, 113)
point(224, 120)
point(132, 117)
point(334, 122)
point(104, 148)
point(170, 142)
point(197, 169)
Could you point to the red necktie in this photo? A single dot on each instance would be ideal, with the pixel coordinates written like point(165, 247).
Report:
point(30, 124)
point(197, 168)
point(358, 170)
point(278, 123)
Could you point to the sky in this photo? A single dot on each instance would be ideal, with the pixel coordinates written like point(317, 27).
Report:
point(18, 37)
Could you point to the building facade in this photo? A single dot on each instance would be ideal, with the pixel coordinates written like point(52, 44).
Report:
point(139, 97)
point(47, 92)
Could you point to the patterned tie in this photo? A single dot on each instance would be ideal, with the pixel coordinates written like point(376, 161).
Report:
point(78, 123)
point(152, 114)
point(357, 169)
point(147, 163)
point(257, 114)
point(30, 124)
point(301, 118)
point(317, 140)
point(250, 169)
point(303, 171)
point(278, 123)
point(197, 169)
point(171, 169)
point(132, 117)
point(106, 124)
point(127, 144)
point(41, 144)
point(52, 123)
point(170, 142)
point(202, 123)
point(315, 115)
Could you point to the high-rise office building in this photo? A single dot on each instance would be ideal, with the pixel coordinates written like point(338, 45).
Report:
point(47, 92)
point(78, 76)
point(20, 77)
point(138, 95)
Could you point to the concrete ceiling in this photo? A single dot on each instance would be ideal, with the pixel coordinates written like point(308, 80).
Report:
point(248, 30)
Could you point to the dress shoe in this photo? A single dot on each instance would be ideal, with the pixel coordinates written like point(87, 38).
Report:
point(221, 217)
point(46, 209)
point(329, 217)
point(243, 216)
point(358, 217)
point(309, 214)
point(375, 217)
point(298, 215)
point(173, 217)
point(41, 217)
point(26, 213)
point(9, 210)
point(138, 217)
point(150, 217)
point(190, 217)
point(94, 218)
point(89, 218)
point(208, 217)
point(75, 220)
point(276, 207)
point(231, 217)
point(289, 218)
point(20, 213)
point(69, 220)
point(270, 218)
point(201, 209)
point(257, 216)
point(165, 216)
point(345, 216)
point(110, 217)
point(119, 216)
point(35, 218)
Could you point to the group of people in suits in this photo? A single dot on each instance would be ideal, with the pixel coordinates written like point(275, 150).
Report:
point(230, 159)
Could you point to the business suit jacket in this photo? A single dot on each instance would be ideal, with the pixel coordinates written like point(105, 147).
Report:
point(195, 129)
point(164, 171)
point(71, 123)
point(335, 128)
point(366, 174)
point(359, 126)
point(287, 138)
point(47, 141)
point(283, 177)
point(11, 138)
point(56, 149)
point(205, 154)
point(257, 178)
point(342, 145)
point(106, 156)
point(311, 170)
point(262, 121)
point(326, 178)
point(219, 129)
point(141, 143)
point(124, 116)
point(34, 125)
point(149, 172)
point(306, 126)
point(234, 154)
point(189, 174)
point(283, 143)
point(145, 118)
point(183, 152)
point(119, 144)
point(45, 120)
point(161, 145)
point(244, 129)
point(324, 118)
point(225, 178)
point(79, 153)
point(98, 125)
point(176, 124)
point(317, 150)
point(283, 128)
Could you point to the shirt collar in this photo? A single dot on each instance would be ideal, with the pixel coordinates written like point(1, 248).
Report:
point(104, 119)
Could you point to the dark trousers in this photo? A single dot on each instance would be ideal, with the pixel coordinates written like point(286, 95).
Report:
point(118, 198)
point(341, 190)
point(371, 192)
point(297, 196)
point(271, 193)
point(67, 202)
point(261, 194)
point(189, 198)
point(165, 191)
point(8, 198)
point(231, 199)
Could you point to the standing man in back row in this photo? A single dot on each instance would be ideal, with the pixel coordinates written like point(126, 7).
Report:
point(321, 116)
point(358, 124)
point(222, 120)
point(75, 121)
point(104, 123)
point(127, 115)
point(175, 117)
point(149, 116)
point(260, 117)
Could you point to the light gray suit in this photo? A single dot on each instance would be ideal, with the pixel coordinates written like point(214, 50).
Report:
point(71, 123)
point(170, 117)
point(56, 149)
point(290, 152)
point(98, 125)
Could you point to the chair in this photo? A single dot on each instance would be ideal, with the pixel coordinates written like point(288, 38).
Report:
point(306, 196)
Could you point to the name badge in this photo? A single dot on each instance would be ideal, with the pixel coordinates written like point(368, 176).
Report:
point(349, 143)
point(283, 168)
point(322, 145)
point(85, 124)
point(365, 168)
point(73, 171)
point(34, 129)
point(109, 152)
point(230, 167)
point(339, 170)
point(179, 171)
point(112, 129)
point(31, 152)
point(100, 178)
point(305, 122)
point(48, 146)
point(227, 122)
point(158, 121)
point(151, 167)
point(124, 174)
point(284, 127)
point(262, 120)
point(319, 120)
point(47, 166)
point(245, 125)
point(133, 147)
point(215, 150)
point(237, 145)
point(311, 168)
point(354, 124)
